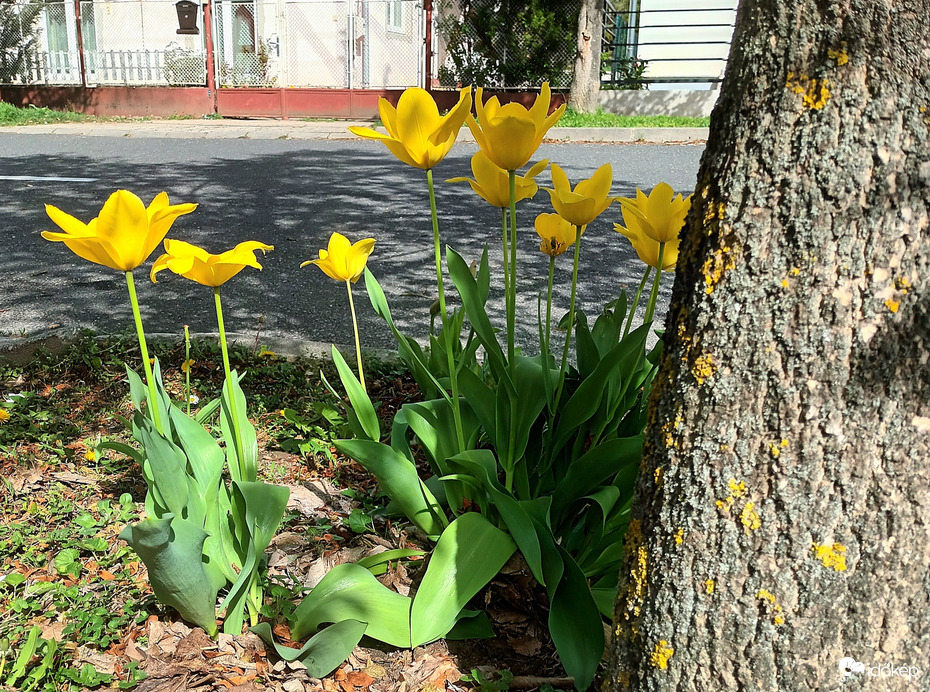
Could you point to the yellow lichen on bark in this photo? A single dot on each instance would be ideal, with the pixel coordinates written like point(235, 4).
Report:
point(749, 517)
point(832, 556)
point(840, 56)
point(775, 610)
point(814, 92)
point(710, 585)
point(716, 266)
point(703, 368)
point(661, 654)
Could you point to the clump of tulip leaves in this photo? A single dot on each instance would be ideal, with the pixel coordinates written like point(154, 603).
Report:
point(527, 453)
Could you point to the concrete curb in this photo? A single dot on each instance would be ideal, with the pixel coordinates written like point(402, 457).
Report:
point(296, 129)
point(19, 351)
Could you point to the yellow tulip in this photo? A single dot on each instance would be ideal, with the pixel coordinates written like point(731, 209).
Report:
point(342, 260)
point(587, 201)
point(417, 134)
point(198, 265)
point(511, 134)
point(660, 215)
point(557, 234)
point(492, 183)
point(647, 248)
point(123, 235)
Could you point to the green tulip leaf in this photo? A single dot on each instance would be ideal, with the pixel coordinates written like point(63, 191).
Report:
point(388, 556)
point(168, 467)
point(481, 400)
point(481, 464)
point(575, 624)
point(262, 510)
point(171, 549)
point(399, 479)
point(351, 592)
point(604, 461)
point(470, 552)
point(583, 404)
point(474, 307)
point(473, 624)
point(409, 350)
point(358, 398)
point(530, 397)
point(323, 653)
point(242, 462)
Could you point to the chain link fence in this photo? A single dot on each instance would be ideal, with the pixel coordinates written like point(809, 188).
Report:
point(505, 44)
point(125, 42)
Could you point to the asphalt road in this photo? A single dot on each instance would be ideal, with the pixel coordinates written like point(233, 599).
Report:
point(293, 194)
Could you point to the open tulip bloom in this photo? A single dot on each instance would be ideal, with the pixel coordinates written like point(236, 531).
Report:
point(417, 134)
point(198, 265)
point(122, 237)
point(588, 200)
point(509, 135)
point(345, 261)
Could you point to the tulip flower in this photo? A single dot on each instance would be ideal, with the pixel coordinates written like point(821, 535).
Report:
point(492, 183)
point(653, 225)
point(198, 265)
point(417, 134)
point(661, 214)
point(587, 201)
point(420, 137)
point(123, 235)
point(509, 135)
point(557, 234)
point(344, 261)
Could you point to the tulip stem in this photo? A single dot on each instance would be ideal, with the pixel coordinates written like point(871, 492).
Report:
point(230, 392)
point(140, 332)
point(571, 319)
point(187, 367)
point(512, 175)
point(358, 346)
point(549, 306)
point(635, 304)
point(446, 330)
point(506, 252)
point(653, 296)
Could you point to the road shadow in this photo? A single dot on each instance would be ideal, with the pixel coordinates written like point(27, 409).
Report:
point(292, 198)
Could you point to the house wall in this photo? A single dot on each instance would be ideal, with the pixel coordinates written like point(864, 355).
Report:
point(685, 45)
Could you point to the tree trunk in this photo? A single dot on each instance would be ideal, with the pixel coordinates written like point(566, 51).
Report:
point(586, 79)
point(782, 517)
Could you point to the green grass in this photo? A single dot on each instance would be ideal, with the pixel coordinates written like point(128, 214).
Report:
point(602, 119)
point(30, 115)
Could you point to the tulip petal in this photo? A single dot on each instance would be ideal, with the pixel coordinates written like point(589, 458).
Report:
point(476, 131)
point(417, 119)
point(536, 169)
point(598, 185)
point(402, 153)
point(368, 133)
point(540, 107)
point(65, 221)
point(452, 122)
point(160, 264)
point(160, 222)
point(124, 223)
point(559, 179)
point(510, 141)
point(388, 117)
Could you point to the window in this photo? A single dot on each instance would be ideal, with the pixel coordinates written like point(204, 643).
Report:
point(395, 15)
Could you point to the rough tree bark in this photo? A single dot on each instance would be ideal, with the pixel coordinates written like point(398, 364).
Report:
point(586, 78)
point(782, 517)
